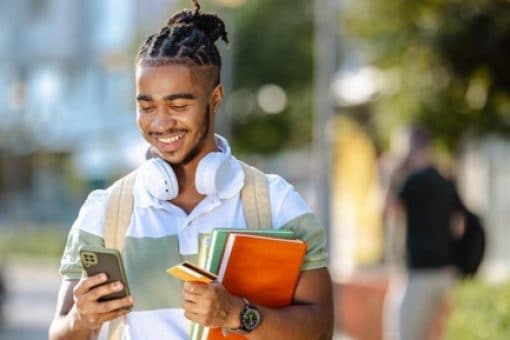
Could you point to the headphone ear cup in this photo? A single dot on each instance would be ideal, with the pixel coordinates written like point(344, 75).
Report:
point(213, 173)
point(159, 179)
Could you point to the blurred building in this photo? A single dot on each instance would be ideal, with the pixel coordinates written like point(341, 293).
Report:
point(67, 99)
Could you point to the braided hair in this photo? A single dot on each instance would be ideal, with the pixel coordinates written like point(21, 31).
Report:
point(189, 38)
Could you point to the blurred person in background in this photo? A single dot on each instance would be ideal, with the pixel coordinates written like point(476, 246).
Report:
point(427, 205)
point(178, 94)
point(3, 292)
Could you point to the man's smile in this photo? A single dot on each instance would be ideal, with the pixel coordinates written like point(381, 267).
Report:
point(170, 139)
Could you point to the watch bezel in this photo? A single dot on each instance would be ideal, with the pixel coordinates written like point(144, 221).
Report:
point(247, 311)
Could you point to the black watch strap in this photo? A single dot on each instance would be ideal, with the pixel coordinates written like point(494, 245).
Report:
point(249, 318)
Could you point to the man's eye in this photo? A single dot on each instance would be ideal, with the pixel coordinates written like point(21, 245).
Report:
point(147, 109)
point(179, 107)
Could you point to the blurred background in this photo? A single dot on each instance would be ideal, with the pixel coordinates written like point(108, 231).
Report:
point(322, 92)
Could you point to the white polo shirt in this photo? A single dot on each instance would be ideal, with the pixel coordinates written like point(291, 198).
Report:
point(161, 235)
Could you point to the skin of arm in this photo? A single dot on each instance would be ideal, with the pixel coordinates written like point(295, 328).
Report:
point(310, 316)
point(397, 230)
point(79, 315)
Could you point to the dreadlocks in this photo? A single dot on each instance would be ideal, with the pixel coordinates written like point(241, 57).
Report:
point(188, 37)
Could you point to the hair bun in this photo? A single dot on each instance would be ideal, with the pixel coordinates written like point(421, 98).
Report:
point(210, 24)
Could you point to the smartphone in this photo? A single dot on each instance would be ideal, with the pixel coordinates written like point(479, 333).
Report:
point(187, 271)
point(96, 260)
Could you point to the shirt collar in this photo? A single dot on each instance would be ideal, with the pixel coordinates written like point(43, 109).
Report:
point(143, 199)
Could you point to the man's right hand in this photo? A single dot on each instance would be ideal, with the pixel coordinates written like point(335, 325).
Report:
point(87, 312)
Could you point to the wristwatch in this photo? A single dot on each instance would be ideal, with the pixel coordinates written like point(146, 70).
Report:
point(250, 317)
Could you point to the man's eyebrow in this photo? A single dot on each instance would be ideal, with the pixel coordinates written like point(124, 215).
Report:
point(170, 97)
point(143, 97)
point(179, 96)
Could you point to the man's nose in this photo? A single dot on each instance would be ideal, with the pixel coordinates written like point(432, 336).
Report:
point(163, 121)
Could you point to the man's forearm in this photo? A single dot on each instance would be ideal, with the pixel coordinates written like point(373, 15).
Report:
point(297, 322)
point(61, 329)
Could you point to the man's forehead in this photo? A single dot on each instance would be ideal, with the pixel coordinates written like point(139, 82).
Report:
point(201, 75)
point(163, 70)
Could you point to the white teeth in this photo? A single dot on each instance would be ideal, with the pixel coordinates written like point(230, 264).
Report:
point(172, 139)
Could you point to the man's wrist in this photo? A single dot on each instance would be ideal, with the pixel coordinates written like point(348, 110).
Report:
point(75, 324)
point(233, 321)
point(73, 320)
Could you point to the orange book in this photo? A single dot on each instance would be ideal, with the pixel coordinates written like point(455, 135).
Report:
point(264, 270)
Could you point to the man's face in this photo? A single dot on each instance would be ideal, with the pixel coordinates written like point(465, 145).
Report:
point(175, 111)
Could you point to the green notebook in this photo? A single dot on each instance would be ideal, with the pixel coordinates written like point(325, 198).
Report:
point(214, 245)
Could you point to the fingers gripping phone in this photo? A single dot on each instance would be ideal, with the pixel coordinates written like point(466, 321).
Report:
point(96, 260)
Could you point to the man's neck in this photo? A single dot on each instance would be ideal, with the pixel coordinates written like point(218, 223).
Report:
point(188, 196)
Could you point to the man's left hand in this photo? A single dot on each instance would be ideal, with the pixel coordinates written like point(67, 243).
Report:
point(211, 305)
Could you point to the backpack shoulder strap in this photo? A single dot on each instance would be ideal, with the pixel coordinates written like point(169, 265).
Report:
point(118, 212)
point(255, 198)
point(117, 217)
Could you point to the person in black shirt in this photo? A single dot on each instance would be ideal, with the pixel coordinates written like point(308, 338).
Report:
point(429, 201)
point(432, 210)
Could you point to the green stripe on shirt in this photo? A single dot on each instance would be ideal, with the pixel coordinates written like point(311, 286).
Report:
point(307, 227)
point(145, 260)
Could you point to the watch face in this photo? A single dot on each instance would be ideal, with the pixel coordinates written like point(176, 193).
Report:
point(250, 318)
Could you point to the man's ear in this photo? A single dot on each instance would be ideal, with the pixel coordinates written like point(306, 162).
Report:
point(216, 97)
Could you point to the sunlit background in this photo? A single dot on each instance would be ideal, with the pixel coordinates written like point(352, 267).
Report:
point(322, 92)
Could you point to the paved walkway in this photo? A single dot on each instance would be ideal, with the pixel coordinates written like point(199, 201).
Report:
point(32, 287)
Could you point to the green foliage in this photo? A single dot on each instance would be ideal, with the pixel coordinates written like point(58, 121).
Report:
point(480, 311)
point(263, 133)
point(273, 44)
point(448, 61)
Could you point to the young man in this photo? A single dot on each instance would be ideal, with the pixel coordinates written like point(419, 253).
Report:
point(178, 95)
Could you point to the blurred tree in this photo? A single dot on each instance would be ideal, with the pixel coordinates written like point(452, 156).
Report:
point(444, 62)
point(273, 45)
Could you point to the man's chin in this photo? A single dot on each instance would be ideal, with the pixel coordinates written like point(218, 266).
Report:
point(172, 159)
point(182, 155)
point(177, 159)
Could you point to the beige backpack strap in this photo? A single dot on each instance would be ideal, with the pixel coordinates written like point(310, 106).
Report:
point(118, 215)
point(255, 198)
point(118, 212)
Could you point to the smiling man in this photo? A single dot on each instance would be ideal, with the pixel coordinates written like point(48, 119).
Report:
point(193, 185)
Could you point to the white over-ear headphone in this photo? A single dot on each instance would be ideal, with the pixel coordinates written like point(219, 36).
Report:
point(212, 175)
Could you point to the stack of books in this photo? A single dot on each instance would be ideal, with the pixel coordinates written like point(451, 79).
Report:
point(261, 265)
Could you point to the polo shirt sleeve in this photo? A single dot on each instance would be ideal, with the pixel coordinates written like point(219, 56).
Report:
point(289, 211)
point(86, 230)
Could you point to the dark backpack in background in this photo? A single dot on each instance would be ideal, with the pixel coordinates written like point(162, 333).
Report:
point(470, 248)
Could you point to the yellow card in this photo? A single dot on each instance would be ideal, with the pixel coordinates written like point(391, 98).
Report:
point(187, 271)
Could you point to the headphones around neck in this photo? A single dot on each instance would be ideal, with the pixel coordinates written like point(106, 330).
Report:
point(212, 175)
